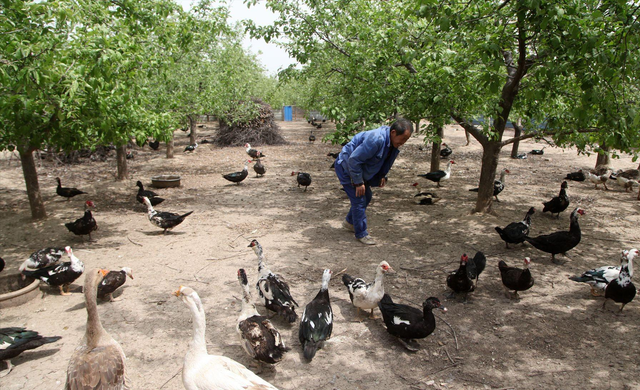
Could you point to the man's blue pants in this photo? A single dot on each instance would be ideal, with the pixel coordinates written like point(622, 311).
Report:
point(356, 216)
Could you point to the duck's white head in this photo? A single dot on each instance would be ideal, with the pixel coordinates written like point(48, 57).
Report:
point(384, 267)
point(128, 272)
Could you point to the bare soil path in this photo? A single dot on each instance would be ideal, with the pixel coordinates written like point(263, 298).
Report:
point(555, 337)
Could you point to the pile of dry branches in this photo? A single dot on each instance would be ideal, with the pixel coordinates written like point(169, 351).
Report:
point(259, 129)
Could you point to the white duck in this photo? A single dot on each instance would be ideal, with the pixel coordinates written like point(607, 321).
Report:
point(202, 371)
point(367, 295)
point(598, 179)
point(259, 338)
point(626, 183)
point(98, 362)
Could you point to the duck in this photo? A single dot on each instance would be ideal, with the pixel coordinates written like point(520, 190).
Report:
point(85, 225)
point(273, 288)
point(191, 148)
point(67, 192)
point(631, 174)
point(15, 340)
point(562, 241)
point(316, 324)
point(459, 281)
point(365, 295)
point(154, 144)
point(42, 258)
point(515, 279)
point(498, 185)
point(303, 179)
point(253, 153)
point(201, 371)
point(59, 275)
point(409, 323)
point(258, 337)
point(163, 219)
point(627, 184)
point(621, 289)
point(237, 177)
point(576, 176)
point(515, 232)
point(425, 198)
point(445, 151)
point(99, 361)
point(475, 266)
point(438, 176)
point(112, 281)
point(538, 152)
point(599, 179)
point(312, 138)
point(598, 278)
point(558, 203)
point(153, 197)
point(259, 169)
point(2, 264)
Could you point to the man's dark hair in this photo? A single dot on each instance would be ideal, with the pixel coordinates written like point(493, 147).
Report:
point(401, 125)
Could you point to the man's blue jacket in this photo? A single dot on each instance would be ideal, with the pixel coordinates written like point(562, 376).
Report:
point(364, 158)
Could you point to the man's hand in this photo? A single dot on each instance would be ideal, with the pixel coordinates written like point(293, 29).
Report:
point(383, 182)
point(360, 190)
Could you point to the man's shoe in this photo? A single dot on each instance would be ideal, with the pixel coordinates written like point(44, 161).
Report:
point(367, 240)
point(348, 226)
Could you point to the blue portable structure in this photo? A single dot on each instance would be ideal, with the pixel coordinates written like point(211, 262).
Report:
point(288, 113)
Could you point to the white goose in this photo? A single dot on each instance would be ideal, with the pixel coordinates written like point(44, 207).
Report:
point(202, 371)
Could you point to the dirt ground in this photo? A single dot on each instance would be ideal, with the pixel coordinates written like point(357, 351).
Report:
point(555, 337)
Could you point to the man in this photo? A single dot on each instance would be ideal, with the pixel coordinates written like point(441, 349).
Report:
point(364, 163)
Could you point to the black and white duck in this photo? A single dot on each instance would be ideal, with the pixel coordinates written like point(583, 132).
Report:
point(438, 176)
point(112, 281)
point(538, 152)
point(365, 295)
point(14, 341)
point(425, 197)
point(445, 150)
point(258, 337)
point(316, 324)
point(558, 203)
point(273, 288)
point(253, 153)
point(621, 289)
point(61, 275)
point(153, 197)
point(67, 192)
point(598, 278)
point(42, 258)
point(191, 148)
point(515, 232)
point(409, 323)
point(237, 177)
point(163, 219)
point(562, 241)
point(303, 179)
point(498, 185)
point(85, 225)
point(515, 279)
point(258, 168)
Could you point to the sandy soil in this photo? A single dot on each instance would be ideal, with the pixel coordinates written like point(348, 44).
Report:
point(556, 336)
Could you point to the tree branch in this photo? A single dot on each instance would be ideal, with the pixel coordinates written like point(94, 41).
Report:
point(474, 131)
point(409, 67)
point(545, 132)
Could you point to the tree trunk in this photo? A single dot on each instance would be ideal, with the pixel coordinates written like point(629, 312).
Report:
point(468, 136)
point(517, 132)
point(603, 157)
point(31, 180)
point(170, 147)
point(121, 161)
point(435, 151)
point(490, 156)
point(192, 126)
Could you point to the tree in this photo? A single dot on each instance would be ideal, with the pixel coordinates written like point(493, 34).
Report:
point(566, 67)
